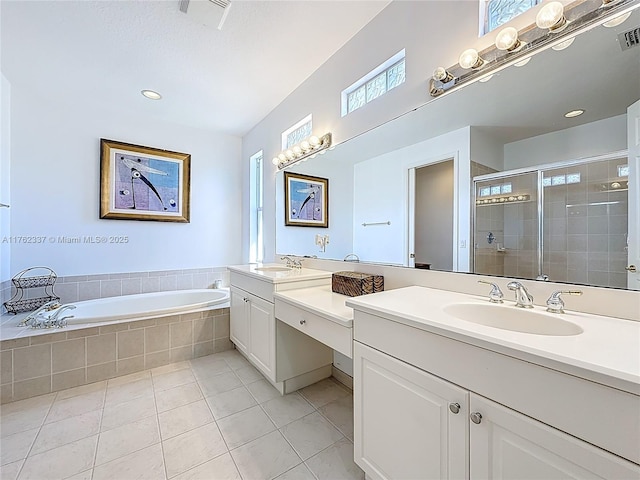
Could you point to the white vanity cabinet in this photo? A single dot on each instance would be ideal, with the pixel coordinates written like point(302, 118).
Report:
point(287, 358)
point(438, 399)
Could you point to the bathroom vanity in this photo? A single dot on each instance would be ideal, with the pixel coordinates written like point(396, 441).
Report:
point(288, 358)
point(440, 394)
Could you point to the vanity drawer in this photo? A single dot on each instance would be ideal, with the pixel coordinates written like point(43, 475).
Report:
point(325, 331)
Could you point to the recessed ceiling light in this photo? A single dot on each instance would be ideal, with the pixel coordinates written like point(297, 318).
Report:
point(522, 63)
point(486, 79)
point(562, 45)
point(151, 94)
point(615, 21)
point(574, 113)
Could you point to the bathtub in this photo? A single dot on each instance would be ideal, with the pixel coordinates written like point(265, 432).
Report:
point(146, 305)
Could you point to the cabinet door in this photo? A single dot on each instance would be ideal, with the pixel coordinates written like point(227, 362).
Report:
point(404, 420)
point(239, 320)
point(509, 445)
point(262, 333)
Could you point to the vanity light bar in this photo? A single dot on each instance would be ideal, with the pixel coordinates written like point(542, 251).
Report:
point(505, 199)
point(555, 23)
point(306, 149)
point(613, 186)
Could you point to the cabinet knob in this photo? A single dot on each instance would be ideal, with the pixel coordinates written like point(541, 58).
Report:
point(454, 407)
point(476, 417)
point(302, 322)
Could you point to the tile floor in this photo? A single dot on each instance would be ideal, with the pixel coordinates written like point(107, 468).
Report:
point(214, 417)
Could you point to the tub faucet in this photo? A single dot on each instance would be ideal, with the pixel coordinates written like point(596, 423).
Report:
point(47, 307)
point(523, 298)
point(55, 319)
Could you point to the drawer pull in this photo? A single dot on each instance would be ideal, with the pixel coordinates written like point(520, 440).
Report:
point(302, 322)
point(476, 417)
point(454, 407)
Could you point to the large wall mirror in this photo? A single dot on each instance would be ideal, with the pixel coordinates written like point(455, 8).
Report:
point(493, 178)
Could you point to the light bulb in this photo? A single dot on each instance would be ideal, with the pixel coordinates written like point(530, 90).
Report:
point(442, 75)
point(507, 40)
point(615, 21)
point(282, 157)
point(314, 141)
point(290, 155)
point(562, 45)
point(305, 146)
point(275, 160)
point(470, 59)
point(297, 151)
point(551, 17)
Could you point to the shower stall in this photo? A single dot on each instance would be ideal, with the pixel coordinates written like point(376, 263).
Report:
point(562, 222)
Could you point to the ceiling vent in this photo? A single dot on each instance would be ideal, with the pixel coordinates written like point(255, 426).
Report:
point(206, 12)
point(629, 39)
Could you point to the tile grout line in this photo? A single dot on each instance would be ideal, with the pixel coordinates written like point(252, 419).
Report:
point(155, 404)
point(36, 437)
point(95, 453)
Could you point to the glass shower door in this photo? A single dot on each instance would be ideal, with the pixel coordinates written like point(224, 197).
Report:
point(506, 230)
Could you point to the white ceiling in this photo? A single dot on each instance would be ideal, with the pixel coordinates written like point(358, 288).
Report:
point(224, 80)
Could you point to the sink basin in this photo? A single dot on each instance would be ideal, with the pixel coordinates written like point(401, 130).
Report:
point(272, 268)
point(512, 318)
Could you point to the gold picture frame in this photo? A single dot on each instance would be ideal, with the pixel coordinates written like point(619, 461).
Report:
point(143, 183)
point(306, 200)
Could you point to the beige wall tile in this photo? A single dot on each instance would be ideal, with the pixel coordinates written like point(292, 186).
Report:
point(6, 393)
point(190, 316)
point(222, 344)
point(181, 334)
point(31, 362)
point(72, 378)
point(156, 338)
point(116, 327)
point(104, 371)
point(130, 365)
point(48, 338)
point(202, 349)
point(32, 387)
point(180, 354)
point(203, 330)
point(142, 323)
point(6, 367)
point(15, 343)
point(83, 332)
point(168, 320)
point(157, 359)
point(101, 349)
point(221, 326)
point(130, 343)
point(68, 355)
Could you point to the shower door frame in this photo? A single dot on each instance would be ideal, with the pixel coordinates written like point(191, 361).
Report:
point(539, 169)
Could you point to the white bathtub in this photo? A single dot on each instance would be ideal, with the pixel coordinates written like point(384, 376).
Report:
point(146, 305)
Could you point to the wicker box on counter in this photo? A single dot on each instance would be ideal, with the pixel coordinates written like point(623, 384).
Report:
point(355, 283)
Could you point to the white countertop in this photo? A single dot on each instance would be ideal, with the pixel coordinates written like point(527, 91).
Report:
point(607, 352)
point(321, 301)
point(290, 275)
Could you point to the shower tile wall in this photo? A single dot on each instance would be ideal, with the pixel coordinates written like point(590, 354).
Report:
point(585, 226)
point(488, 219)
point(88, 287)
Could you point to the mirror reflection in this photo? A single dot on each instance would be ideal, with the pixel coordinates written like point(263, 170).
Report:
point(494, 178)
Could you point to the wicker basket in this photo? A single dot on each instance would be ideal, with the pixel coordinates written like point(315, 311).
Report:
point(354, 284)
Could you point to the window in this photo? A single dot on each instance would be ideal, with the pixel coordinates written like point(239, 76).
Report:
point(494, 13)
point(377, 82)
point(256, 242)
point(561, 179)
point(298, 132)
point(494, 190)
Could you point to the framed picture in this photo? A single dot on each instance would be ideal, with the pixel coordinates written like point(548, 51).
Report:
point(306, 200)
point(143, 183)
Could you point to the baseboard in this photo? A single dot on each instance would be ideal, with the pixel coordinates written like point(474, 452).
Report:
point(342, 377)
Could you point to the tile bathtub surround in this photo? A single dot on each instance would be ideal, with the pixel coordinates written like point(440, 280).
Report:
point(162, 423)
point(44, 363)
point(76, 288)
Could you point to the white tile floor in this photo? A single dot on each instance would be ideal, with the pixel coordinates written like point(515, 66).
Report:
point(214, 417)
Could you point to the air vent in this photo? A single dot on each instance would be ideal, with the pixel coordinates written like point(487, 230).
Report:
point(629, 38)
point(207, 12)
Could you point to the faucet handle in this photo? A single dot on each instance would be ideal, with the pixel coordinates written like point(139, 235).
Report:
point(555, 304)
point(495, 295)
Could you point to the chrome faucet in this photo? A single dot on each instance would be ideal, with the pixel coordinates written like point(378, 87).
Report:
point(495, 295)
point(292, 262)
point(47, 307)
point(523, 298)
point(289, 261)
point(48, 316)
point(555, 304)
point(55, 319)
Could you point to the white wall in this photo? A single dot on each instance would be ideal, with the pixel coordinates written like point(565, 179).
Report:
point(409, 25)
point(5, 175)
point(55, 175)
point(588, 140)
